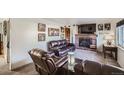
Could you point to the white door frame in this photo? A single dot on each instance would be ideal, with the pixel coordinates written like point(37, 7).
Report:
point(6, 40)
point(8, 48)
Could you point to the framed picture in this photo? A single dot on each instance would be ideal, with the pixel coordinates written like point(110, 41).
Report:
point(62, 29)
point(53, 32)
point(107, 26)
point(50, 32)
point(5, 27)
point(41, 37)
point(100, 27)
point(41, 27)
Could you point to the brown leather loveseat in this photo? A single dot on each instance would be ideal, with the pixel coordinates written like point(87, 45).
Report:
point(60, 47)
point(95, 68)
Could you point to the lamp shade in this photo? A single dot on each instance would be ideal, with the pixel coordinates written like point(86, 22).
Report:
point(109, 37)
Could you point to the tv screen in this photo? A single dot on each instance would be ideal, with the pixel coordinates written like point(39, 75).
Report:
point(87, 28)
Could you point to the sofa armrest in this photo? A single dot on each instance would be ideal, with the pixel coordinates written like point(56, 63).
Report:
point(55, 51)
point(50, 54)
point(62, 61)
point(71, 44)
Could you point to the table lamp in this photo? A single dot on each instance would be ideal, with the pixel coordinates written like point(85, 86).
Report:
point(109, 39)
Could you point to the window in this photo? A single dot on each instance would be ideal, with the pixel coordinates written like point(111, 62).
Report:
point(120, 36)
point(123, 37)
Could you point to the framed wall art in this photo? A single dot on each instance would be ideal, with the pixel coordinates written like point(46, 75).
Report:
point(53, 32)
point(41, 27)
point(5, 27)
point(41, 37)
point(107, 26)
point(62, 29)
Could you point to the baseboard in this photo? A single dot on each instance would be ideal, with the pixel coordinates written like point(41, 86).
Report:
point(19, 64)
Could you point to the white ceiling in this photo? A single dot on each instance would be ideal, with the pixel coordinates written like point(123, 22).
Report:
point(70, 21)
point(2, 19)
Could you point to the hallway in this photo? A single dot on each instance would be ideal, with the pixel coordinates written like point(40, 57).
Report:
point(2, 60)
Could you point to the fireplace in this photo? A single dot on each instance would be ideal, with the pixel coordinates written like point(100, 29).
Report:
point(86, 41)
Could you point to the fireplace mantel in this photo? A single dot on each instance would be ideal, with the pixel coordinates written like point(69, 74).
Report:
point(85, 35)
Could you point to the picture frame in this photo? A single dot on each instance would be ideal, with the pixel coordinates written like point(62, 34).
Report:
point(107, 26)
point(100, 27)
point(62, 29)
point(41, 37)
point(53, 32)
point(41, 27)
point(5, 27)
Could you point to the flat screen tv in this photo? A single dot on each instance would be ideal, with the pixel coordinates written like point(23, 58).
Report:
point(87, 29)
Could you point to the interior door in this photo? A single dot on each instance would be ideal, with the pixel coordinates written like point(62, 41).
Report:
point(0, 45)
point(67, 34)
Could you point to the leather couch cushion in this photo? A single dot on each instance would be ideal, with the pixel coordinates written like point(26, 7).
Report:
point(92, 68)
point(60, 43)
point(38, 52)
point(53, 44)
point(112, 70)
point(78, 69)
point(95, 68)
point(51, 65)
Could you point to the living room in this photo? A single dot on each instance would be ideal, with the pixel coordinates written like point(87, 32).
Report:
point(87, 35)
point(53, 46)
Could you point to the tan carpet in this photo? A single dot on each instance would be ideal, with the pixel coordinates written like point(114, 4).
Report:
point(29, 68)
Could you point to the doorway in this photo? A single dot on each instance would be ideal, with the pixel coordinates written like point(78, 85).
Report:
point(1, 44)
point(67, 34)
point(4, 45)
point(2, 58)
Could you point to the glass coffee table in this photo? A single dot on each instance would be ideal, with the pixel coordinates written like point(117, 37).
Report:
point(68, 68)
point(71, 61)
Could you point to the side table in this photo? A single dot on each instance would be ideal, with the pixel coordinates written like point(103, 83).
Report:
point(111, 48)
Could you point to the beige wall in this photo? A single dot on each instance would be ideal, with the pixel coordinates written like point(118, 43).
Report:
point(24, 37)
point(121, 57)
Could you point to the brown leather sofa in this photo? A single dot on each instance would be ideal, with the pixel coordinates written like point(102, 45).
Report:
point(95, 68)
point(60, 47)
point(47, 63)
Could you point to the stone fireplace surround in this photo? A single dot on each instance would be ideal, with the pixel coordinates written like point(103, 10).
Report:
point(91, 37)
